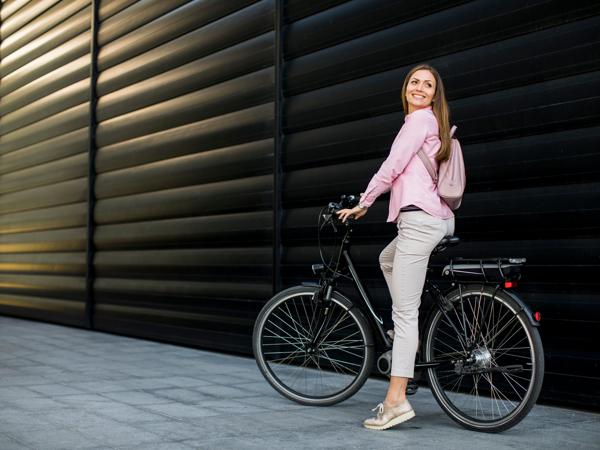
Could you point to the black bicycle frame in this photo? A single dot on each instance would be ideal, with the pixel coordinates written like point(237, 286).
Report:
point(440, 302)
point(328, 285)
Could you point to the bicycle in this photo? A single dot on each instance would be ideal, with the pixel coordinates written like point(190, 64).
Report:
point(480, 346)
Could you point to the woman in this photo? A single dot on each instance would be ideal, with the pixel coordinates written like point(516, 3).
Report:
point(423, 219)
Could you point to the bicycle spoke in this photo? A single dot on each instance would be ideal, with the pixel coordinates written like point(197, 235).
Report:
point(275, 336)
point(477, 399)
point(511, 380)
point(500, 392)
point(340, 363)
point(346, 338)
point(289, 326)
point(496, 333)
point(341, 349)
point(298, 371)
point(333, 327)
point(495, 394)
point(457, 383)
point(286, 339)
point(280, 353)
point(506, 340)
point(297, 325)
point(506, 349)
point(308, 321)
point(463, 328)
point(463, 352)
point(285, 359)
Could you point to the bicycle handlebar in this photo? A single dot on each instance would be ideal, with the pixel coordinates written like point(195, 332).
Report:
point(329, 212)
point(346, 202)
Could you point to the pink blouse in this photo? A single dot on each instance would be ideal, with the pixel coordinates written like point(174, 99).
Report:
point(405, 174)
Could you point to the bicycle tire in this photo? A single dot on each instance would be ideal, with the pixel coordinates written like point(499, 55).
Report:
point(360, 349)
point(496, 345)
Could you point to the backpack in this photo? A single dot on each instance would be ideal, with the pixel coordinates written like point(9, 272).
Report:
point(451, 177)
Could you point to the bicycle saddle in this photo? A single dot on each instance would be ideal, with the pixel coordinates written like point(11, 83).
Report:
point(447, 241)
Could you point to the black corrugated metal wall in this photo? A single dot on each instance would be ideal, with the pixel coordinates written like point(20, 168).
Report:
point(187, 130)
point(44, 91)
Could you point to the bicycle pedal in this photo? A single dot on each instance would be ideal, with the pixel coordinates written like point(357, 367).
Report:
point(412, 387)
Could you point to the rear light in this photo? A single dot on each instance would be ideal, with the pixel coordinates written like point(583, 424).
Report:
point(510, 284)
point(537, 316)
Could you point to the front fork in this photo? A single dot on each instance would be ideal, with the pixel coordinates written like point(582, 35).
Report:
point(322, 298)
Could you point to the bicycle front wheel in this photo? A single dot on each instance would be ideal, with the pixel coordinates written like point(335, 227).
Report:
point(491, 359)
point(313, 352)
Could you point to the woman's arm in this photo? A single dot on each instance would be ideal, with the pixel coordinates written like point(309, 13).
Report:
point(407, 143)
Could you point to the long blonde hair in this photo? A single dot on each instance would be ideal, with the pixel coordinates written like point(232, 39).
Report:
point(439, 105)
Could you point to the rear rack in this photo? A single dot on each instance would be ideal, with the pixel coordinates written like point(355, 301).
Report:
point(489, 270)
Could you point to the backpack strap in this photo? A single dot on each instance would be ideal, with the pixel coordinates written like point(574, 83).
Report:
point(421, 154)
point(428, 165)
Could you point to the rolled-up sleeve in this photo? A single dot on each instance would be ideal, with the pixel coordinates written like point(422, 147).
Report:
point(409, 140)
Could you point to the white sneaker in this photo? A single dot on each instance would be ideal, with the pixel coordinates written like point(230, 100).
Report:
point(388, 417)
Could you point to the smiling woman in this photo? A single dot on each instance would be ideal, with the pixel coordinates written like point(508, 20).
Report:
point(422, 218)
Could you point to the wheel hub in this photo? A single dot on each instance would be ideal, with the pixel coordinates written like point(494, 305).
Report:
point(311, 349)
point(482, 358)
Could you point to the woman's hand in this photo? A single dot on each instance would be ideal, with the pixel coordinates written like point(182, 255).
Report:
point(355, 212)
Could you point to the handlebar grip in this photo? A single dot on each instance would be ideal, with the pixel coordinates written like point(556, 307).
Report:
point(333, 207)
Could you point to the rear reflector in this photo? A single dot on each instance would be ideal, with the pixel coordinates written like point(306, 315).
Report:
point(537, 316)
point(510, 284)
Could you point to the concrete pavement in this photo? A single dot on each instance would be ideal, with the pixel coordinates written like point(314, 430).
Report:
point(66, 388)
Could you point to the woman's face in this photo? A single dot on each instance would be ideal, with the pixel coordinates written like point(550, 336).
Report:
point(420, 90)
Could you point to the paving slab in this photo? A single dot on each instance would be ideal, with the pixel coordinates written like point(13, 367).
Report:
point(68, 388)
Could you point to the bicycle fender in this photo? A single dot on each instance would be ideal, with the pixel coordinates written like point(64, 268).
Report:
point(345, 300)
point(523, 308)
point(348, 304)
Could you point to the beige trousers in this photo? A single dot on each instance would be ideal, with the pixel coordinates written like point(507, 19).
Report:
point(404, 265)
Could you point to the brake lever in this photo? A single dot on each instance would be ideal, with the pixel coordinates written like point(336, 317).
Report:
point(351, 221)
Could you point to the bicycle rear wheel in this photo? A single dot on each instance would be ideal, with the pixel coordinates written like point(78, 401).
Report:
point(308, 371)
point(491, 359)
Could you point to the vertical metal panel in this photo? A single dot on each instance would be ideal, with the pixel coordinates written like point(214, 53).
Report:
point(278, 141)
point(90, 248)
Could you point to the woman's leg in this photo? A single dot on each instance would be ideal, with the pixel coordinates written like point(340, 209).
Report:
point(418, 234)
point(397, 388)
point(386, 262)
